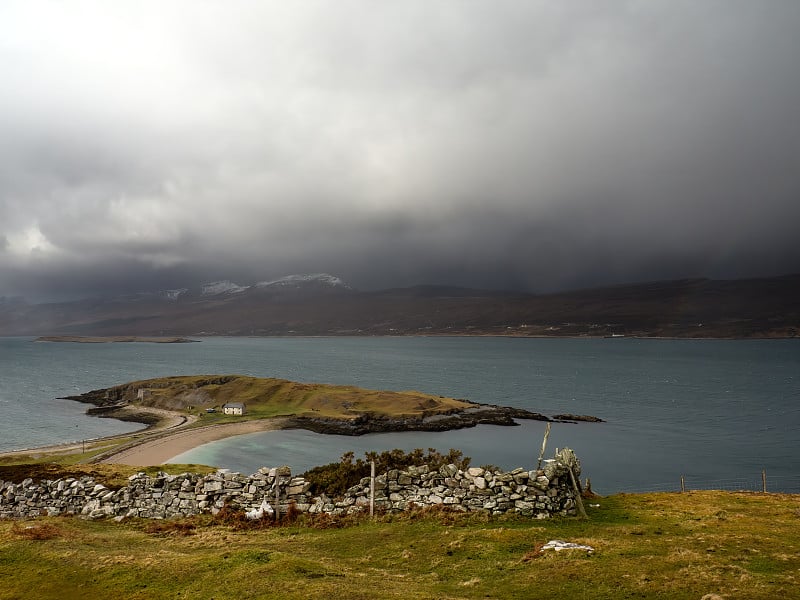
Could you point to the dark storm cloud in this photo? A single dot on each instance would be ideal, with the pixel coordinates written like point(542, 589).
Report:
point(529, 145)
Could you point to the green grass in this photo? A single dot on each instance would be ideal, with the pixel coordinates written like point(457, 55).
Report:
point(266, 397)
point(737, 545)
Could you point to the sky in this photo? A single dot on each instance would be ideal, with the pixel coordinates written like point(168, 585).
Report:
point(529, 145)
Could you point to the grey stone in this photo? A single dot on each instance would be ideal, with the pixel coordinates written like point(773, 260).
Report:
point(526, 492)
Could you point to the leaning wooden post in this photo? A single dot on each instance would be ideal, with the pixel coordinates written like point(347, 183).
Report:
point(544, 445)
point(372, 489)
point(764, 480)
point(578, 500)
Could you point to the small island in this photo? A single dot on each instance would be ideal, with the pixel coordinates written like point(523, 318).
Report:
point(185, 411)
point(80, 339)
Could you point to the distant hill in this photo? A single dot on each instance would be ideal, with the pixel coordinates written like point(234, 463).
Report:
point(322, 304)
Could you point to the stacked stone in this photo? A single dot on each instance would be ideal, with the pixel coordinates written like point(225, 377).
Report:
point(168, 496)
point(538, 493)
point(161, 497)
point(530, 493)
point(52, 497)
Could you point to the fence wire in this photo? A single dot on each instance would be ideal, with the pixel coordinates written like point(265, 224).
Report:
point(777, 484)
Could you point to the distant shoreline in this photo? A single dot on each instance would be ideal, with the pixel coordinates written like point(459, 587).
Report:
point(79, 339)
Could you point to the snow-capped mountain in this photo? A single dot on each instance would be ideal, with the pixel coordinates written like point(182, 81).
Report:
point(312, 282)
point(173, 294)
point(321, 304)
point(300, 280)
point(222, 287)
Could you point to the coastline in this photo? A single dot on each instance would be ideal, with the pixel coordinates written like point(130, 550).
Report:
point(168, 434)
point(171, 409)
point(155, 421)
point(80, 339)
point(321, 408)
point(159, 449)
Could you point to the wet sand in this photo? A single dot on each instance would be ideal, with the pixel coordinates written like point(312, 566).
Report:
point(159, 450)
point(160, 422)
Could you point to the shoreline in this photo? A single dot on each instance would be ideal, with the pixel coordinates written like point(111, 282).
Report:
point(516, 335)
point(80, 339)
point(168, 434)
point(159, 449)
point(170, 431)
point(155, 423)
point(156, 443)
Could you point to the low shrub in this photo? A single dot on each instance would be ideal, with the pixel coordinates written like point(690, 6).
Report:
point(335, 479)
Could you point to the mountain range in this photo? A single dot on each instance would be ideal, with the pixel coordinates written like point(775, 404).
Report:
point(322, 304)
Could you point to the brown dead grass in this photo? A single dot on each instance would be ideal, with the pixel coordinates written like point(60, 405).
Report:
point(37, 531)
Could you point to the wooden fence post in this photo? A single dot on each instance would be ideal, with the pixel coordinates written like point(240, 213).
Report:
point(372, 489)
point(683, 484)
point(544, 445)
point(578, 499)
point(764, 480)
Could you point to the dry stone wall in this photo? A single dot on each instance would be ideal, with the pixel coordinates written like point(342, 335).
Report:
point(538, 493)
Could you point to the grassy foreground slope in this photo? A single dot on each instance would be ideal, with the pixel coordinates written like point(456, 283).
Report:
point(735, 545)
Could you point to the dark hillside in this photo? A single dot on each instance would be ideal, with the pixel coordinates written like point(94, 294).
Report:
point(683, 308)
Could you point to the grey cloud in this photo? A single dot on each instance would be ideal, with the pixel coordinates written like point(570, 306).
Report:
point(531, 145)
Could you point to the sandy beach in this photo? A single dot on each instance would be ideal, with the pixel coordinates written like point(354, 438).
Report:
point(171, 435)
point(158, 450)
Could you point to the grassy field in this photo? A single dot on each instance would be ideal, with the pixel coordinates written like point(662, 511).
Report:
point(735, 545)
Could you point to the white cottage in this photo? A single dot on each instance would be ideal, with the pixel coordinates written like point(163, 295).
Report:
point(233, 408)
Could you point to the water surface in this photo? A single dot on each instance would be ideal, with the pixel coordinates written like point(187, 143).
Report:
point(710, 409)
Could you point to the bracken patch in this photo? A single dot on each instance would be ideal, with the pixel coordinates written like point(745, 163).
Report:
point(40, 532)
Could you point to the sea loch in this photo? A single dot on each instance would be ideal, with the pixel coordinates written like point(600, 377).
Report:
point(717, 412)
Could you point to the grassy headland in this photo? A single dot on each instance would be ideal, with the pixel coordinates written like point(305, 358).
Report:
point(323, 408)
point(678, 546)
point(173, 406)
point(268, 397)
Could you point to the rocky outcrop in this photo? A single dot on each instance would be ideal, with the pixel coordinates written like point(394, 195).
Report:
point(480, 414)
point(538, 493)
point(570, 418)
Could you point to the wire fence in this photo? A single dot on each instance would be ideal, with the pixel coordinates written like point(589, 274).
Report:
point(761, 482)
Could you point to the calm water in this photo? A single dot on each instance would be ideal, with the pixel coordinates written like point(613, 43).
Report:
point(712, 410)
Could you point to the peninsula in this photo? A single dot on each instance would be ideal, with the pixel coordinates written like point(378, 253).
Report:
point(80, 339)
point(185, 411)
